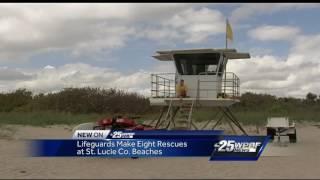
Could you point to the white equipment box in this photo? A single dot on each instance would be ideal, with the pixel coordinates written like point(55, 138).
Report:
point(281, 126)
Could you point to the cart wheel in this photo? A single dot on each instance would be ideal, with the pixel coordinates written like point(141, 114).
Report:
point(271, 132)
point(293, 137)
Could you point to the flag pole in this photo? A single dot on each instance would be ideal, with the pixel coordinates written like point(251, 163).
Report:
point(225, 64)
point(226, 33)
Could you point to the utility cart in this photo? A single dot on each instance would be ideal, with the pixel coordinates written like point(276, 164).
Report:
point(281, 126)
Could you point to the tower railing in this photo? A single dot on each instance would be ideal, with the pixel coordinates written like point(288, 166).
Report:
point(227, 86)
point(163, 85)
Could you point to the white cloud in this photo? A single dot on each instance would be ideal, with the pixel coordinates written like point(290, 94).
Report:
point(249, 10)
point(306, 48)
point(86, 30)
point(90, 29)
point(164, 67)
point(262, 74)
point(256, 51)
point(295, 75)
point(7, 74)
point(52, 79)
point(270, 33)
point(29, 29)
point(190, 26)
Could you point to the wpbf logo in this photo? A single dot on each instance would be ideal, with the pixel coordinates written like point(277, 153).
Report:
point(233, 146)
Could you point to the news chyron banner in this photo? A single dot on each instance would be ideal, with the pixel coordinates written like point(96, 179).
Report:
point(153, 143)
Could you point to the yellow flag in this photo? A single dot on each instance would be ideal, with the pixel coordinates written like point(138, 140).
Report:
point(229, 33)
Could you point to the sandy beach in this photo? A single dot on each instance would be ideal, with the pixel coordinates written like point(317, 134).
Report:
point(300, 160)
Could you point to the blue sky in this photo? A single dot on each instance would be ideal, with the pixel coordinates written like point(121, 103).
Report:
point(46, 48)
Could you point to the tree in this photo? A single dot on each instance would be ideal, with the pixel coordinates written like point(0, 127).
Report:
point(310, 97)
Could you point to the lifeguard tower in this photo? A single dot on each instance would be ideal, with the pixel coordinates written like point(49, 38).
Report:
point(209, 85)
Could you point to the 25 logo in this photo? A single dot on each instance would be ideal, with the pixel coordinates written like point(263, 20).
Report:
point(225, 146)
point(120, 134)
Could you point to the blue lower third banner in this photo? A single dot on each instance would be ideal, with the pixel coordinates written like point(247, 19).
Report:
point(153, 143)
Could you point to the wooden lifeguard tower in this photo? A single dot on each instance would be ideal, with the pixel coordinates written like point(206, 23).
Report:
point(209, 85)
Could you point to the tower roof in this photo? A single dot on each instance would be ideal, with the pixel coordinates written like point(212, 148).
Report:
point(229, 53)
